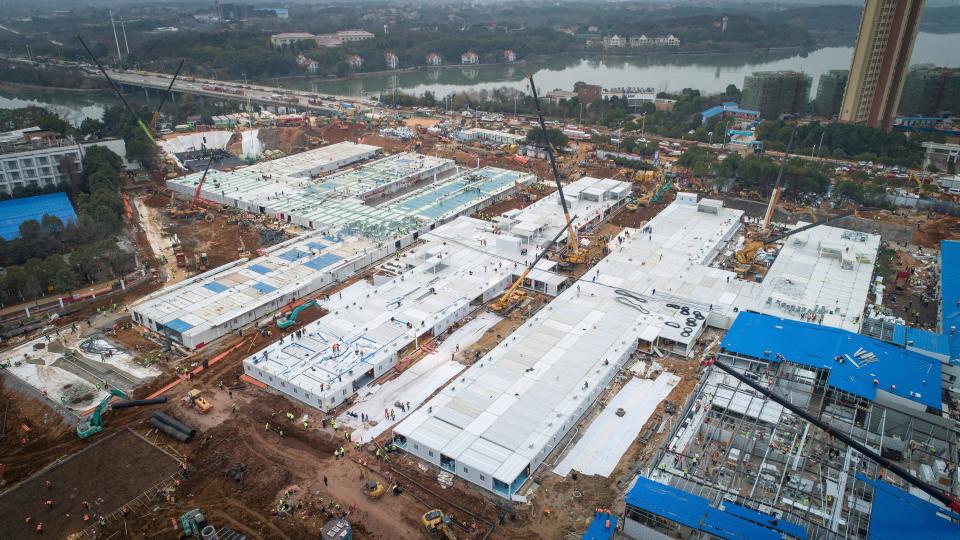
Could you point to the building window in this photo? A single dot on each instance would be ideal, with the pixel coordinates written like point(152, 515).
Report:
point(416, 446)
point(466, 470)
point(482, 478)
point(41, 160)
point(27, 162)
point(12, 164)
point(430, 453)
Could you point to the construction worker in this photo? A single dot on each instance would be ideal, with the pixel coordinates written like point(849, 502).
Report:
point(49, 503)
point(40, 528)
point(48, 484)
point(267, 426)
point(280, 431)
point(305, 425)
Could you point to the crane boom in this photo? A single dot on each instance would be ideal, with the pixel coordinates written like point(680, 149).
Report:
point(504, 301)
point(775, 195)
point(572, 235)
point(116, 90)
point(949, 500)
point(163, 100)
point(196, 192)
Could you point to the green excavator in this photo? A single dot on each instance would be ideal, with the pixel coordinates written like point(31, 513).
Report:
point(291, 318)
point(94, 424)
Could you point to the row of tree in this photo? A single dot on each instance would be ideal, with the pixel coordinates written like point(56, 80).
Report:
point(843, 141)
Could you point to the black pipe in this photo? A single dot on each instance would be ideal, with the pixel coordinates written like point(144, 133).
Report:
point(174, 423)
point(138, 403)
point(947, 499)
point(170, 430)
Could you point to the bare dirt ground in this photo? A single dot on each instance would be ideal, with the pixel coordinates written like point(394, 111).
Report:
point(109, 472)
point(337, 132)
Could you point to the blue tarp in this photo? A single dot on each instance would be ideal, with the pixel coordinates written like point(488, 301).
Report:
point(263, 287)
point(215, 287)
point(262, 270)
point(598, 529)
point(897, 514)
point(950, 294)
point(907, 374)
point(692, 511)
point(323, 261)
point(178, 325)
point(16, 211)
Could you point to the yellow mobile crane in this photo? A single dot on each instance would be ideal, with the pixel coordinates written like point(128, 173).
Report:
point(573, 254)
point(514, 294)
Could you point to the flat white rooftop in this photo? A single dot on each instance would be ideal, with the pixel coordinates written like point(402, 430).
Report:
point(821, 275)
point(224, 294)
point(462, 265)
point(502, 416)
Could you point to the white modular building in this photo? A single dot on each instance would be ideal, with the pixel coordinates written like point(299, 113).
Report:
point(415, 297)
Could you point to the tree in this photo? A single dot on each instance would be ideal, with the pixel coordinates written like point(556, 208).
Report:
point(555, 136)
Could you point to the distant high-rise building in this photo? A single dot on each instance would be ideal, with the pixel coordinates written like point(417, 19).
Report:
point(775, 93)
point(931, 90)
point(888, 29)
point(830, 92)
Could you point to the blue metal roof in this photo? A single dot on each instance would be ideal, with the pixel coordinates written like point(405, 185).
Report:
point(260, 269)
point(765, 520)
point(907, 374)
point(263, 287)
point(598, 529)
point(323, 261)
point(215, 287)
point(927, 340)
point(950, 294)
point(692, 511)
point(293, 255)
point(16, 211)
point(178, 325)
point(897, 514)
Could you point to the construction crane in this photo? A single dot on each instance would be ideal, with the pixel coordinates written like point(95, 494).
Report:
point(156, 114)
point(775, 195)
point(94, 425)
point(573, 254)
point(195, 201)
point(948, 499)
point(513, 294)
point(116, 90)
point(746, 255)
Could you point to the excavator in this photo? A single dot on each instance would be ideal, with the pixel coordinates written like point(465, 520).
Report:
point(286, 321)
point(573, 253)
point(94, 425)
point(438, 524)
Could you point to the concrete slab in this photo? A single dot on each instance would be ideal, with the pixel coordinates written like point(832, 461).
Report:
point(609, 436)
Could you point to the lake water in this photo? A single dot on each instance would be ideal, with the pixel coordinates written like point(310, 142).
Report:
point(709, 73)
point(72, 106)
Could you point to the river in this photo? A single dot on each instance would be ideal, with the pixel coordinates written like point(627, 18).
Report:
point(709, 73)
point(670, 72)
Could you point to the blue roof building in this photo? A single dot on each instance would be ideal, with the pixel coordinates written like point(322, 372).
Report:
point(950, 296)
point(898, 514)
point(603, 527)
point(15, 211)
point(661, 507)
point(731, 109)
point(891, 369)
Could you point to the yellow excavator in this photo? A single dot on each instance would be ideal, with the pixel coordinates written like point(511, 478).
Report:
point(438, 524)
point(373, 488)
point(573, 253)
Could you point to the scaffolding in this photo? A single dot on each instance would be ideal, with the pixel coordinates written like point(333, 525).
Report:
point(736, 445)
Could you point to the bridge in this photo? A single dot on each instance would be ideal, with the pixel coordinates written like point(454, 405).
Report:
point(230, 91)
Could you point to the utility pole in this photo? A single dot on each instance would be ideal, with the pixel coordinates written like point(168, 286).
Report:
point(115, 38)
point(124, 30)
